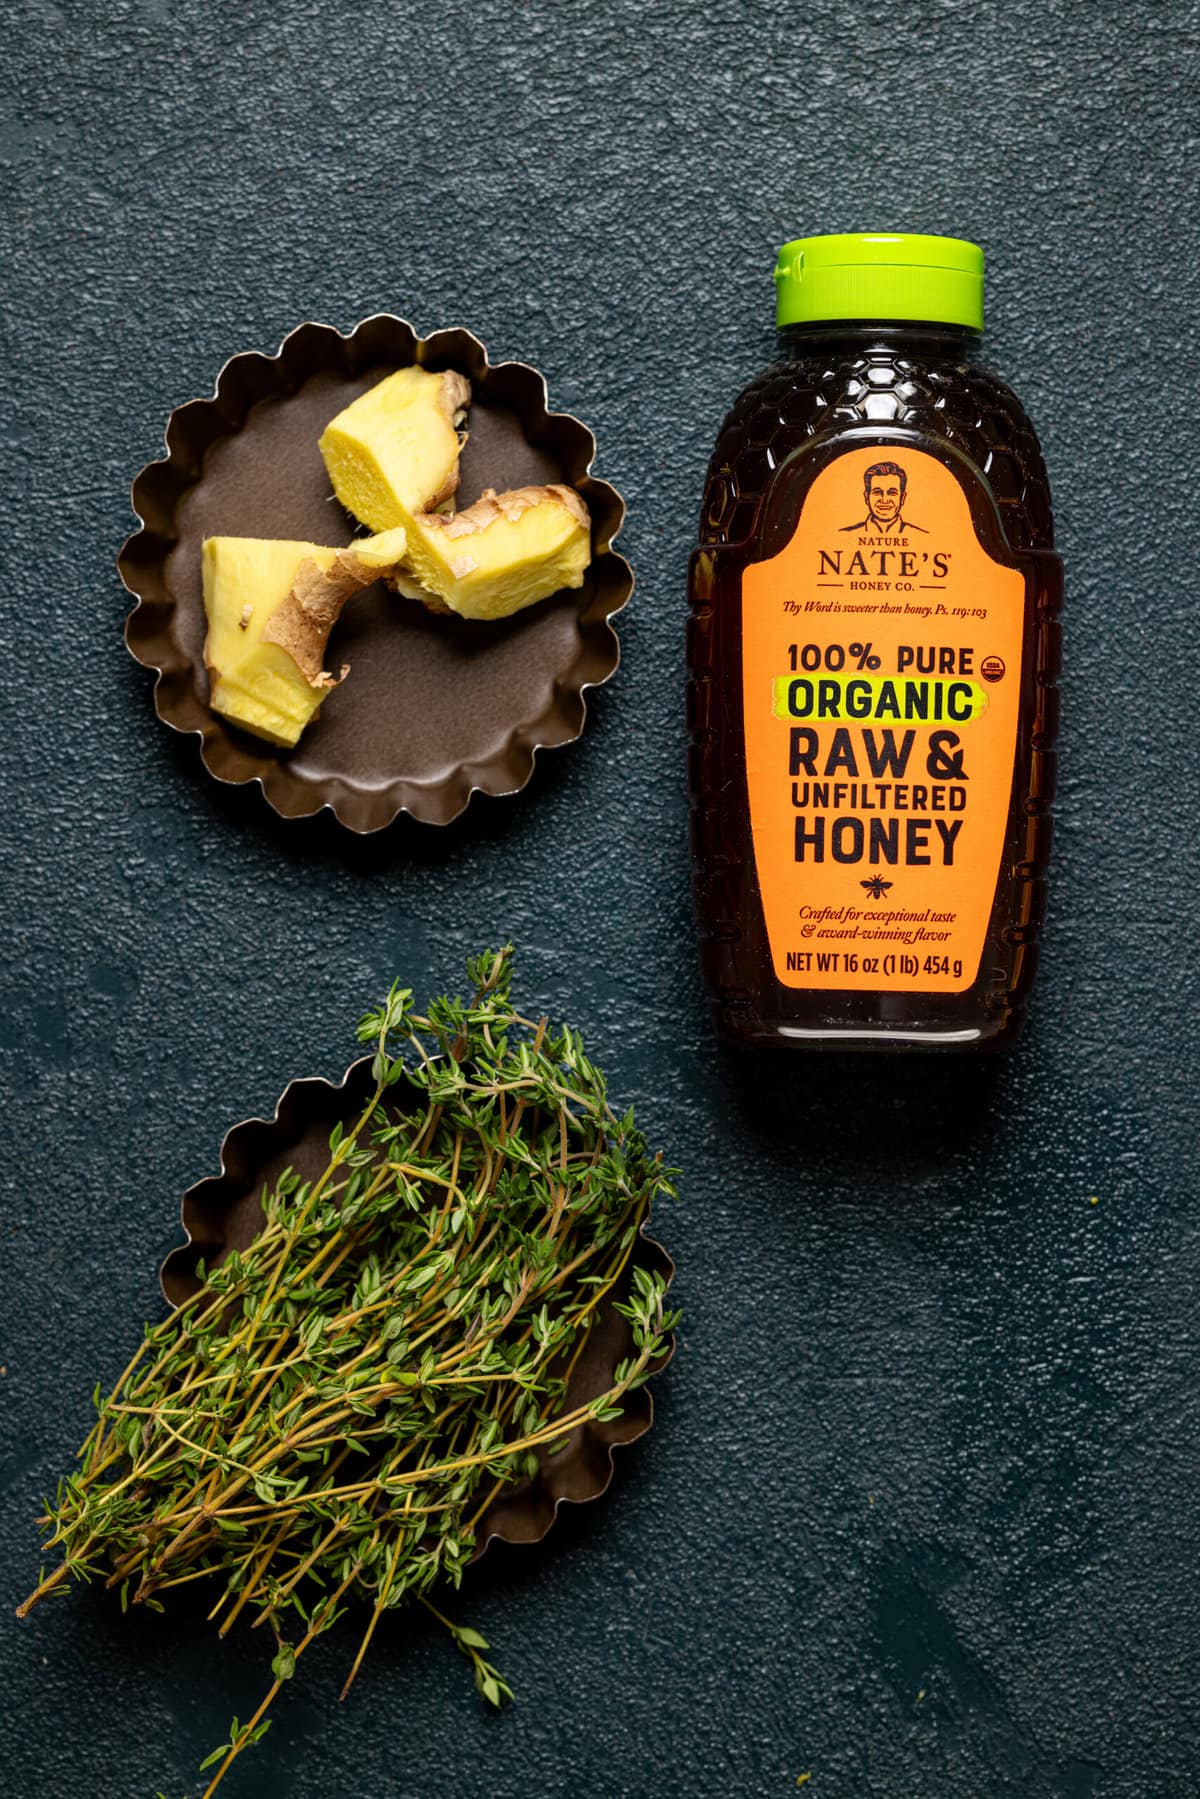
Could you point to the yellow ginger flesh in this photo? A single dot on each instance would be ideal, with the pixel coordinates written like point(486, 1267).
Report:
point(504, 553)
point(271, 604)
point(394, 451)
point(378, 554)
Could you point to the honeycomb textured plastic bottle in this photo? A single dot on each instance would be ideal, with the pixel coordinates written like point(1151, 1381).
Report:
point(872, 747)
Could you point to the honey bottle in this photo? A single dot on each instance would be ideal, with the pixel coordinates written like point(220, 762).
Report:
point(873, 649)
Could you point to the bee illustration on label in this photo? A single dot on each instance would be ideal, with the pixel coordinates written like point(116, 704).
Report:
point(876, 886)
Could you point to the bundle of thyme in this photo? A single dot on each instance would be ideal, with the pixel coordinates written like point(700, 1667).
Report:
point(334, 1411)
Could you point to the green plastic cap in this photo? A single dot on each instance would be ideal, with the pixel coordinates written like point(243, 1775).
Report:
point(879, 276)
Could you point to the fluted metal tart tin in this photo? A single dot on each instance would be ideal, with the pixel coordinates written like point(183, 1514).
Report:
point(435, 708)
point(224, 1213)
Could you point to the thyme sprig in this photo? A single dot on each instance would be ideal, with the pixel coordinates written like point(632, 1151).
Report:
point(332, 1414)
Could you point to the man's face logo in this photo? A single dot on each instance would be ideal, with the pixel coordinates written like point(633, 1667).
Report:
point(884, 496)
point(885, 488)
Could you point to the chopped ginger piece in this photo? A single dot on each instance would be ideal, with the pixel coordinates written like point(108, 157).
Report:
point(380, 553)
point(504, 553)
point(271, 605)
point(394, 451)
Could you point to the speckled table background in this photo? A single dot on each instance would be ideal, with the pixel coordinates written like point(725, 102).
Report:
point(920, 1512)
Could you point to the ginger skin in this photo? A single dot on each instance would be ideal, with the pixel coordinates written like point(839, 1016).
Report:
point(301, 625)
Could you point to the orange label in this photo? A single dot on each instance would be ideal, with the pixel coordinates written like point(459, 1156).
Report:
point(881, 653)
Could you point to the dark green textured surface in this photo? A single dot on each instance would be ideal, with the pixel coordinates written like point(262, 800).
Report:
point(920, 1511)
